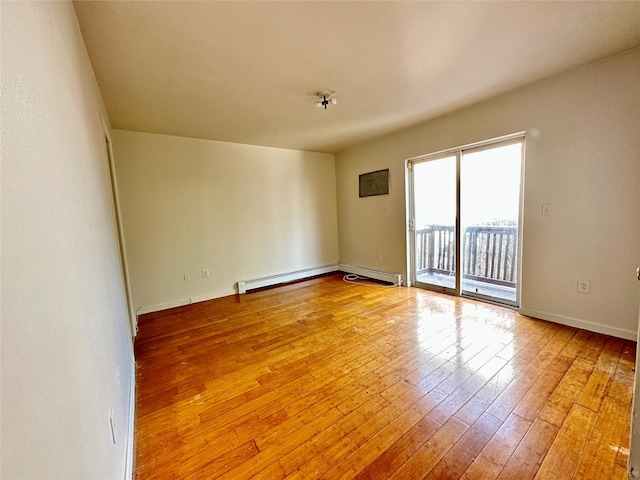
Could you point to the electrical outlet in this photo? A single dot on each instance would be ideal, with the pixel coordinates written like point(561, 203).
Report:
point(112, 423)
point(185, 276)
point(205, 273)
point(379, 257)
point(584, 286)
point(546, 209)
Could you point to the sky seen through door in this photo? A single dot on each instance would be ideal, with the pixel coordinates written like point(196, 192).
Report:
point(490, 188)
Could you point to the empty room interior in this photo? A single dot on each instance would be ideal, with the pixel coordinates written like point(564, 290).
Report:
point(312, 240)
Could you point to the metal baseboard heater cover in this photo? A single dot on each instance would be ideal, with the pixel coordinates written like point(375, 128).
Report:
point(245, 285)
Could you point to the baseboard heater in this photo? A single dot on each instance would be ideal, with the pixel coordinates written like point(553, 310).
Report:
point(393, 278)
point(245, 285)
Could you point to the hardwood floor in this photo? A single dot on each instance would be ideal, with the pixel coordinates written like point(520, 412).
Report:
point(325, 379)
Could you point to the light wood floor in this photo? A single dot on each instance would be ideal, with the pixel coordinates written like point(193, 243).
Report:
point(324, 379)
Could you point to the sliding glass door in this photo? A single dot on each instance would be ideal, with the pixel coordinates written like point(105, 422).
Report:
point(435, 187)
point(465, 220)
point(489, 214)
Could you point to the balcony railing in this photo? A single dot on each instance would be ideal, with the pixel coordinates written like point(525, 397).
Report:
point(489, 253)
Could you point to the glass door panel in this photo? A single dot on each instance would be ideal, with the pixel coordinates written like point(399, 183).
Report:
point(434, 191)
point(489, 214)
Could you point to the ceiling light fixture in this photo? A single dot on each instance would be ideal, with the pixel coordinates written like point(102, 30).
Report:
point(326, 97)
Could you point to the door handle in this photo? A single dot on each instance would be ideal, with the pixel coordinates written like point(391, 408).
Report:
point(638, 273)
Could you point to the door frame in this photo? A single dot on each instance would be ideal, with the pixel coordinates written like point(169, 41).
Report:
point(411, 237)
point(410, 213)
point(633, 464)
point(117, 224)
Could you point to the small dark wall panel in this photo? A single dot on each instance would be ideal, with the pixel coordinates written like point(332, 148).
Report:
point(374, 183)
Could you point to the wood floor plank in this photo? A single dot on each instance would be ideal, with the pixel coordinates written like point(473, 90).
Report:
point(324, 379)
point(619, 473)
point(322, 462)
point(511, 396)
point(421, 462)
point(226, 461)
point(401, 450)
point(456, 461)
point(530, 453)
point(611, 424)
point(567, 392)
point(595, 389)
point(598, 461)
point(536, 398)
point(366, 453)
point(493, 457)
point(564, 455)
point(481, 400)
point(281, 445)
point(318, 445)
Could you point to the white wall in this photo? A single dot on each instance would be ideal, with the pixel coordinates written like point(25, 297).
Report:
point(240, 211)
point(64, 325)
point(581, 156)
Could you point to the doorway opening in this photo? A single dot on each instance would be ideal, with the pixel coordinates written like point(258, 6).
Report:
point(119, 240)
point(464, 211)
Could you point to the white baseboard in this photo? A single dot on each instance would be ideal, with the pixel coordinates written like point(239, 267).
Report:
point(394, 278)
point(246, 285)
point(182, 303)
point(578, 323)
point(211, 296)
point(130, 459)
point(161, 306)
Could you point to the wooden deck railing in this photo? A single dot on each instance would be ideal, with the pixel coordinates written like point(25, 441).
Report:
point(489, 253)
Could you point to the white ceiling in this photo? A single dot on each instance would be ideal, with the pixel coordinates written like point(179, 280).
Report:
point(247, 71)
